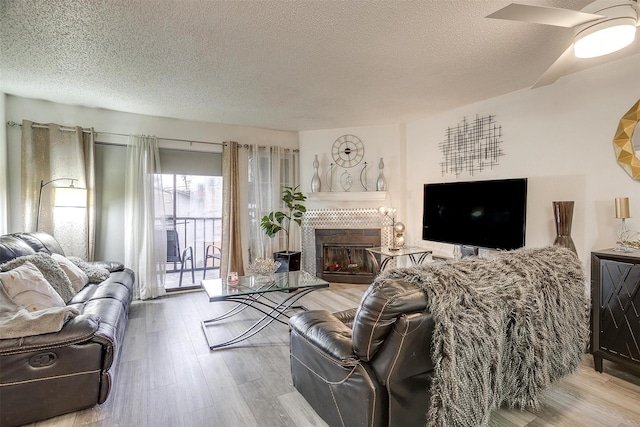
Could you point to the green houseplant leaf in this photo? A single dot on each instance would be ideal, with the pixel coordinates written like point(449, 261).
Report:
point(278, 221)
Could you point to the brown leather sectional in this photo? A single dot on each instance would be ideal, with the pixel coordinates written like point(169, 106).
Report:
point(51, 374)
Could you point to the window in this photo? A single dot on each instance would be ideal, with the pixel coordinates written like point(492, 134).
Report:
point(193, 207)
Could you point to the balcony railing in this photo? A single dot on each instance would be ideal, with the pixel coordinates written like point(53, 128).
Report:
point(197, 232)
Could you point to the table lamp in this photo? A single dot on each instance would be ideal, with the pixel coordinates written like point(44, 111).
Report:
point(622, 212)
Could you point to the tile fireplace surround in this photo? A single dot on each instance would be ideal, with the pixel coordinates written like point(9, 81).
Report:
point(337, 219)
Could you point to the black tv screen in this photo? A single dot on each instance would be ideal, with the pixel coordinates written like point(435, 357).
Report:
point(486, 214)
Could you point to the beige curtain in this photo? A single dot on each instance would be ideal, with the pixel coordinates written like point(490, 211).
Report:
point(232, 259)
point(59, 156)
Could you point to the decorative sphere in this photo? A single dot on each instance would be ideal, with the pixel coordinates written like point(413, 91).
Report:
point(399, 228)
point(400, 241)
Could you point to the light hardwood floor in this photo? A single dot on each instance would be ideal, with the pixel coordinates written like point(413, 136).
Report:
point(167, 376)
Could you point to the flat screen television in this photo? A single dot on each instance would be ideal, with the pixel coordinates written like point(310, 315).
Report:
point(486, 214)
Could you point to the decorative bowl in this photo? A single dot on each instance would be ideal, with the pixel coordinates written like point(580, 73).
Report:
point(264, 266)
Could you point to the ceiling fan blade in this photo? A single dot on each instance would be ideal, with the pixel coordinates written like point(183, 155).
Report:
point(558, 69)
point(544, 15)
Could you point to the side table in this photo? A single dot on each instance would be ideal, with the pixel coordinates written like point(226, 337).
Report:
point(387, 254)
point(615, 308)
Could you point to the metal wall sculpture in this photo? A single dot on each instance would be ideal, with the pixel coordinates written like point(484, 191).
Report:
point(471, 146)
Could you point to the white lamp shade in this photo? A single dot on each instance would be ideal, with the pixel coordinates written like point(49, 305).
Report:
point(70, 197)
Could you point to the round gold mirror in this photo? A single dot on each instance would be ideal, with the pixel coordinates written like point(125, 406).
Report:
point(626, 143)
point(635, 140)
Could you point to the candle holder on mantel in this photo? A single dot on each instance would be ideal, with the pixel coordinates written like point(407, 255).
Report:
point(563, 215)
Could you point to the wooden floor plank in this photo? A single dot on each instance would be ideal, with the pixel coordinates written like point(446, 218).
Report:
point(299, 411)
point(232, 408)
point(191, 387)
point(264, 403)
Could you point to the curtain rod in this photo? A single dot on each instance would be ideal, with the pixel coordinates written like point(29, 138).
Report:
point(68, 129)
point(295, 150)
point(41, 126)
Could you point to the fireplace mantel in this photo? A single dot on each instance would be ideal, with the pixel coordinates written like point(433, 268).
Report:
point(343, 196)
point(347, 199)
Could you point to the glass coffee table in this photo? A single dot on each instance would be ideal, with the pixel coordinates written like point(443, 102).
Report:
point(253, 291)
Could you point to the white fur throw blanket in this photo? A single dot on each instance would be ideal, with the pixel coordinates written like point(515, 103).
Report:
point(506, 327)
point(17, 322)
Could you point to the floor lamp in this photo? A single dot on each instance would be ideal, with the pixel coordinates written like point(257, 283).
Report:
point(70, 196)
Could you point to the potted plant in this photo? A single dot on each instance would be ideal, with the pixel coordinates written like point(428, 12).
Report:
point(281, 221)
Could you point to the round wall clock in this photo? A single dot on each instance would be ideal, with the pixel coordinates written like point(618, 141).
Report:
point(347, 151)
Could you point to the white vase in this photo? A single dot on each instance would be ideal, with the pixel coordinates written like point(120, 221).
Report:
point(381, 183)
point(315, 181)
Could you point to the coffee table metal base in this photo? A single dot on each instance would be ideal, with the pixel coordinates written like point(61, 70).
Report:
point(271, 310)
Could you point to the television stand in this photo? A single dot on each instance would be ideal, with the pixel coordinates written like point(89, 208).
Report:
point(468, 250)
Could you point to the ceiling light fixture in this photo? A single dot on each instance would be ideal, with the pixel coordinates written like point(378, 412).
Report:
point(615, 32)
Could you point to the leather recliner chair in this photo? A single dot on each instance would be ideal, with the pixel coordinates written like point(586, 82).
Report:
point(369, 366)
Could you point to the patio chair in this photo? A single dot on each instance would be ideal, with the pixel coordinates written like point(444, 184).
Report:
point(212, 252)
point(174, 254)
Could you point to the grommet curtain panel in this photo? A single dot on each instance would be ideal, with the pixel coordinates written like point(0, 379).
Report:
point(145, 231)
point(232, 259)
point(49, 154)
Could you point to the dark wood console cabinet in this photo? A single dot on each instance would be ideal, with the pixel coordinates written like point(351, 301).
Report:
point(615, 308)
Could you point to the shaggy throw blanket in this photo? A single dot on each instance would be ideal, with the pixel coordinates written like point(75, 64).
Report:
point(506, 327)
point(94, 272)
point(17, 322)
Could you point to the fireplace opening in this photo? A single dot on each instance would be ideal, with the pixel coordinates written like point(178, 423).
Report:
point(342, 256)
point(346, 259)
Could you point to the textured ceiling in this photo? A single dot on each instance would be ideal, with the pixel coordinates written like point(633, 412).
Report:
point(273, 64)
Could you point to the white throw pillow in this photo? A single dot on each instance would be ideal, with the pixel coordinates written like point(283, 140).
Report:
point(77, 277)
point(27, 287)
point(50, 269)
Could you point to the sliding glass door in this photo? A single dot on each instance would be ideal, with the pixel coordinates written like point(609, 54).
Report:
point(193, 207)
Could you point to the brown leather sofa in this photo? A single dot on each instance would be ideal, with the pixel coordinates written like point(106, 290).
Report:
point(369, 366)
point(51, 374)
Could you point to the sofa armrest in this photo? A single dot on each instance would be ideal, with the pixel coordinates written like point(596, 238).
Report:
point(326, 332)
point(79, 329)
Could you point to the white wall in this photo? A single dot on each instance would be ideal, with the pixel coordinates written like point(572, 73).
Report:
point(558, 136)
point(111, 214)
point(386, 141)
